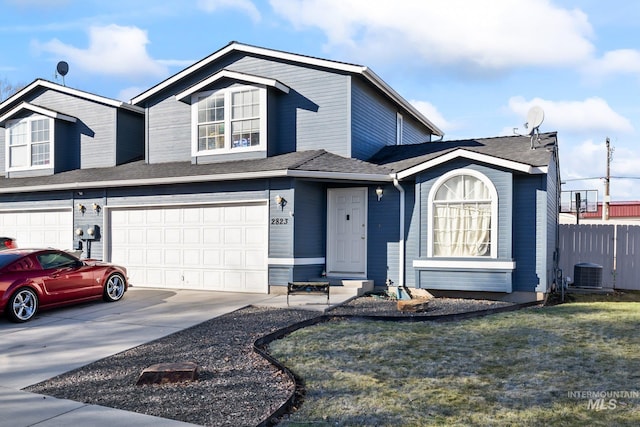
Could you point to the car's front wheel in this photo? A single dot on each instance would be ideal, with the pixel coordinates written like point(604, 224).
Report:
point(23, 305)
point(114, 288)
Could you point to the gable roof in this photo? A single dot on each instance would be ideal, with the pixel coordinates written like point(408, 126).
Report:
point(223, 74)
point(512, 152)
point(316, 164)
point(35, 109)
point(365, 72)
point(40, 83)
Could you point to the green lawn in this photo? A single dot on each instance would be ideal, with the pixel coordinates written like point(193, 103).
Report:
point(539, 366)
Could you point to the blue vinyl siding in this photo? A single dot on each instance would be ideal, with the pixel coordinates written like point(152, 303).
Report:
point(130, 137)
point(310, 232)
point(169, 132)
point(413, 132)
point(552, 216)
point(314, 114)
point(67, 146)
point(374, 122)
point(281, 229)
point(96, 126)
point(383, 235)
point(412, 231)
point(529, 231)
point(460, 280)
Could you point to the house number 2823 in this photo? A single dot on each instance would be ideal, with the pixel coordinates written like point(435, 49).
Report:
point(279, 221)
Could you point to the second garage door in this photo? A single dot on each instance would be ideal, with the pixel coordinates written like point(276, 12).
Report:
point(51, 228)
point(214, 247)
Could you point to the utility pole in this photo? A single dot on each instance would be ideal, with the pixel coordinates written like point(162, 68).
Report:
point(607, 197)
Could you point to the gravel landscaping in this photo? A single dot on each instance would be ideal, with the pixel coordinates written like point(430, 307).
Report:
point(236, 386)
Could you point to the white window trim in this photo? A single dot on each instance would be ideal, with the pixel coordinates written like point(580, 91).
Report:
point(7, 138)
point(227, 121)
point(399, 129)
point(494, 211)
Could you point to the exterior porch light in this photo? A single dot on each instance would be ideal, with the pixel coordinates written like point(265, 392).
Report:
point(379, 192)
point(79, 231)
point(96, 208)
point(81, 208)
point(281, 201)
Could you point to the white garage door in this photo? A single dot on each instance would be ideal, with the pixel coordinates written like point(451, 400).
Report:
point(217, 247)
point(36, 229)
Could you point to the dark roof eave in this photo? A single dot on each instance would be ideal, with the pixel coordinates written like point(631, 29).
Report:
point(77, 185)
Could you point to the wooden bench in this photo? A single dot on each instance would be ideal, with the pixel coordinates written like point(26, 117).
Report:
point(304, 288)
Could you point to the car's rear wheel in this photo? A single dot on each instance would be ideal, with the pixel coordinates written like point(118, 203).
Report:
point(23, 305)
point(114, 287)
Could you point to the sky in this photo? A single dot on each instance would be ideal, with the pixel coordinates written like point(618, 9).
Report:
point(475, 68)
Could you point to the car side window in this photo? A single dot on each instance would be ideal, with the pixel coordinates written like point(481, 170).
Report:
point(55, 260)
point(23, 264)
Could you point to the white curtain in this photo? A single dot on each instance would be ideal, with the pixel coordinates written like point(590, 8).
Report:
point(462, 218)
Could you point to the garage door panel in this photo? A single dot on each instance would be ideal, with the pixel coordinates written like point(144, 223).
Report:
point(153, 236)
point(172, 257)
point(191, 257)
point(199, 247)
point(233, 215)
point(254, 260)
point(233, 258)
point(212, 236)
point(212, 258)
point(191, 236)
point(254, 236)
point(171, 236)
point(153, 256)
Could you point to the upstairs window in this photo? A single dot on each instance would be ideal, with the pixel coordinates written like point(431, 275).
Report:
point(29, 143)
point(230, 120)
point(463, 216)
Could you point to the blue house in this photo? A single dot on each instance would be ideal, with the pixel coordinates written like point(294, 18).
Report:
point(255, 167)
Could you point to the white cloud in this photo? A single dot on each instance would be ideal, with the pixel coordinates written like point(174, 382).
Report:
point(592, 115)
point(481, 35)
point(245, 6)
point(113, 50)
point(129, 93)
point(615, 62)
point(431, 112)
point(587, 159)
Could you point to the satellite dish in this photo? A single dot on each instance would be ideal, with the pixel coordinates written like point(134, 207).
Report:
point(62, 68)
point(535, 117)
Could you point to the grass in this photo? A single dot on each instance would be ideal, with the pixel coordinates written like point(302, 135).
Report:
point(519, 368)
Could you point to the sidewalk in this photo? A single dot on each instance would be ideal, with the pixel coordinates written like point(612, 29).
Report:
point(61, 340)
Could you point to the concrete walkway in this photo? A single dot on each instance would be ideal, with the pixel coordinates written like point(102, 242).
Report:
point(58, 341)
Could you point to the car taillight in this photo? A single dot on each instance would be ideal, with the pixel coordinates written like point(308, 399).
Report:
point(10, 244)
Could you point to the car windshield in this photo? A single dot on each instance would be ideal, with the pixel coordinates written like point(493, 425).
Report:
point(6, 259)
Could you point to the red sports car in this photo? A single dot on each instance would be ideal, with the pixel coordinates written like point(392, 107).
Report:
point(38, 279)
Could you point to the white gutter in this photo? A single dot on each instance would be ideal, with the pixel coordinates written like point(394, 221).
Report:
point(401, 249)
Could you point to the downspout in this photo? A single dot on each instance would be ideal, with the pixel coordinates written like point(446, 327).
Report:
point(401, 255)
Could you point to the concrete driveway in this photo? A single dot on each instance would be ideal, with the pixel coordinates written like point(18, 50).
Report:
point(58, 341)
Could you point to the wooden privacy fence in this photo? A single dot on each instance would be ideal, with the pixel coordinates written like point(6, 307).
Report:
point(615, 247)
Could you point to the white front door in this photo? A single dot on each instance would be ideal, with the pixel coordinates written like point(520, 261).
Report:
point(347, 231)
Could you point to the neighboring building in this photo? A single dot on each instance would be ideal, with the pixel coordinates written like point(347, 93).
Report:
point(255, 167)
point(622, 212)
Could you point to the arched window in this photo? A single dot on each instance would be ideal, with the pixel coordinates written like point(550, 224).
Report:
point(463, 215)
